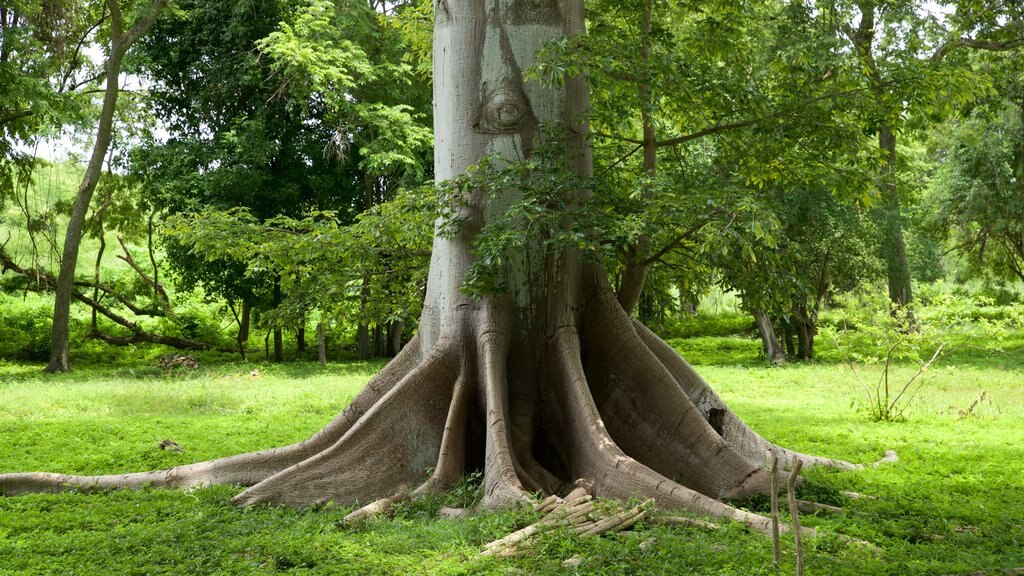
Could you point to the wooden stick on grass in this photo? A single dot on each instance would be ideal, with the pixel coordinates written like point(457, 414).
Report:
point(775, 509)
point(795, 513)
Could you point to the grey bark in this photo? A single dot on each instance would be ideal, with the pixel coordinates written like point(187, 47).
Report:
point(634, 276)
point(769, 341)
point(892, 244)
point(321, 344)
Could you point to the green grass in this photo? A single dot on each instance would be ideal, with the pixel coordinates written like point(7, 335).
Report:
point(951, 505)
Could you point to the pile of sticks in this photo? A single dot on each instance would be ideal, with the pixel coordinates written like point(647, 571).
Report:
point(577, 512)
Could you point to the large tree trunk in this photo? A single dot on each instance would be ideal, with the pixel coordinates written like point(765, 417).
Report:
point(545, 384)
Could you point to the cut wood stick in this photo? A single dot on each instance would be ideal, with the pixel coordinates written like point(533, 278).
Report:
point(577, 515)
point(556, 518)
point(808, 507)
point(618, 522)
point(683, 521)
point(775, 509)
point(579, 490)
point(382, 507)
point(547, 504)
point(795, 513)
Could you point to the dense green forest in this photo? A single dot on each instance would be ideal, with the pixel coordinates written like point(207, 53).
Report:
point(220, 220)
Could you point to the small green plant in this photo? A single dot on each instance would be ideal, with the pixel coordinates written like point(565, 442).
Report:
point(890, 339)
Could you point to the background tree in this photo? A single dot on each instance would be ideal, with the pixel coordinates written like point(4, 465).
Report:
point(978, 192)
point(121, 36)
point(282, 132)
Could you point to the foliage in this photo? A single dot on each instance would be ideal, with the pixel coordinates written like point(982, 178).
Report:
point(329, 138)
point(977, 201)
point(43, 72)
point(24, 329)
point(321, 262)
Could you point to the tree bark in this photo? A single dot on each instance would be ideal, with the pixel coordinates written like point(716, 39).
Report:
point(893, 245)
point(769, 341)
point(321, 344)
point(806, 323)
point(634, 276)
point(363, 349)
point(120, 42)
point(278, 332)
point(244, 324)
point(395, 330)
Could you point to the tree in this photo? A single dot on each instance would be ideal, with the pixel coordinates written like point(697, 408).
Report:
point(293, 111)
point(542, 383)
point(903, 51)
point(978, 195)
point(120, 40)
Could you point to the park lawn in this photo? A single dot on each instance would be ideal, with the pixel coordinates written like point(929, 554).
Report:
point(951, 505)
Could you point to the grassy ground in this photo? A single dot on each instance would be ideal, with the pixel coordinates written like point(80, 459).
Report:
point(950, 506)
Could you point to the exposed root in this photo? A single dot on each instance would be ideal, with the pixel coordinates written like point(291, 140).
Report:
point(718, 414)
point(390, 446)
point(616, 475)
point(451, 459)
point(808, 507)
point(241, 469)
point(642, 406)
point(857, 496)
point(890, 457)
point(502, 485)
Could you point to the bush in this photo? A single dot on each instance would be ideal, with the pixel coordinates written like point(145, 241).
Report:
point(24, 328)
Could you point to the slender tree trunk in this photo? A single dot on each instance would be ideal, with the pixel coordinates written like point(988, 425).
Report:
point(380, 344)
point(300, 337)
point(363, 348)
point(769, 341)
point(60, 360)
point(893, 246)
point(364, 343)
point(321, 344)
point(395, 330)
point(278, 332)
point(634, 275)
point(244, 324)
point(788, 337)
point(120, 42)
